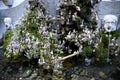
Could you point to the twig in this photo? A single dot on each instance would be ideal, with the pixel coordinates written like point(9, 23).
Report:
point(69, 56)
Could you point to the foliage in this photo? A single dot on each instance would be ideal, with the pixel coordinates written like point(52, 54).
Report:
point(32, 22)
point(66, 39)
point(101, 52)
point(85, 6)
point(60, 52)
point(8, 37)
point(115, 34)
point(87, 51)
point(104, 39)
point(25, 39)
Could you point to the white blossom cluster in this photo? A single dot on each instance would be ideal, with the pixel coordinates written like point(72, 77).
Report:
point(89, 37)
point(26, 44)
point(49, 38)
point(114, 47)
point(14, 46)
point(86, 37)
point(71, 35)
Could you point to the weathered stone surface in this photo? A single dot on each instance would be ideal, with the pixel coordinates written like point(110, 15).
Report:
point(102, 74)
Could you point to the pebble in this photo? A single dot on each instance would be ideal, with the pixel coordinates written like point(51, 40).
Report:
point(27, 73)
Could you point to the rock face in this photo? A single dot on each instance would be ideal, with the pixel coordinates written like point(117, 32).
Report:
point(112, 8)
point(51, 7)
point(14, 13)
point(106, 8)
point(7, 4)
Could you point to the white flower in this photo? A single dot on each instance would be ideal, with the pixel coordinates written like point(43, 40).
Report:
point(70, 50)
point(76, 52)
point(68, 37)
point(27, 34)
point(80, 48)
point(51, 52)
point(116, 44)
point(78, 8)
point(116, 54)
point(29, 46)
point(106, 35)
point(93, 35)
point(96, 45)
point(93, 50)
point(90, 42)
point(113, 39)
point(110, 35)
point(79, 36)
point(37, 41)
point(111, 44)
point(33, 37)
point(27, 40)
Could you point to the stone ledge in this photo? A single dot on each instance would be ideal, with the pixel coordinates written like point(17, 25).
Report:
point(15, 4)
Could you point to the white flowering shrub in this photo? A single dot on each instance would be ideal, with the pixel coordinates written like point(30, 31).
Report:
point(29, 40)
point(37, 37)
point(82, 35)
